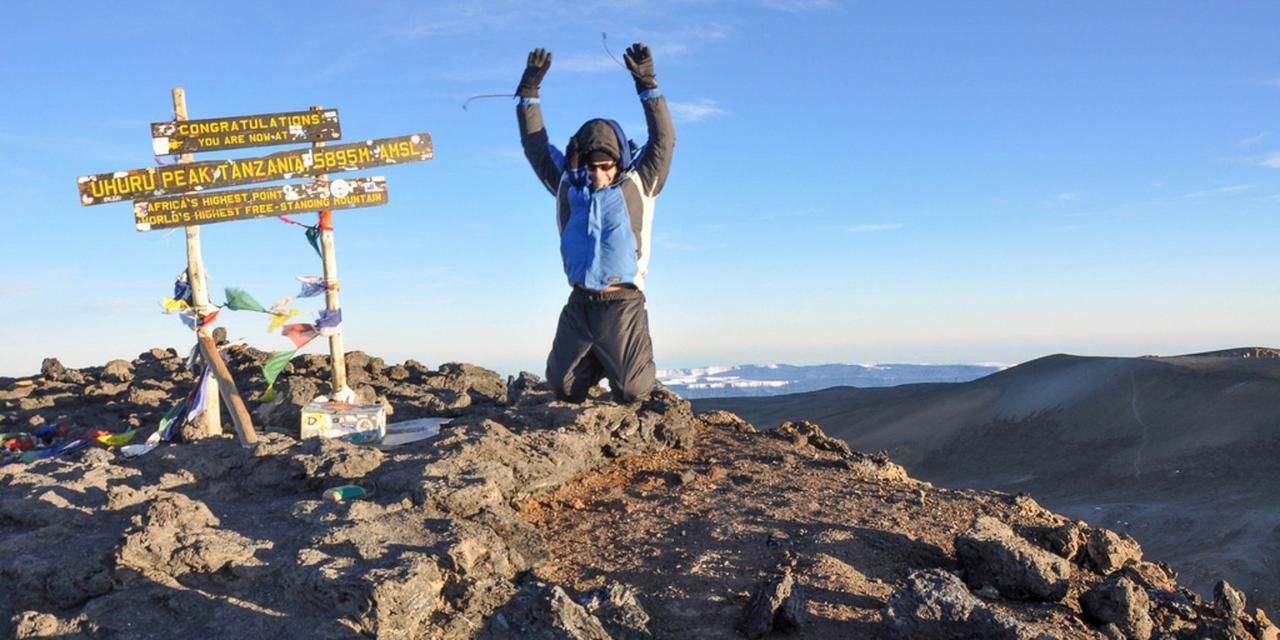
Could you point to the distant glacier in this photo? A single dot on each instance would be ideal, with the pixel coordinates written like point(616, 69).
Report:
point(776, 379)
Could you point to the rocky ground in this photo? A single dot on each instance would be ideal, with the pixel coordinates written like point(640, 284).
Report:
point(531, 518)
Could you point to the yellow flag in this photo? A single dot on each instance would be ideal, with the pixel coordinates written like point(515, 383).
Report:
point(171, 305)
point(117, 439)
point(278, 319)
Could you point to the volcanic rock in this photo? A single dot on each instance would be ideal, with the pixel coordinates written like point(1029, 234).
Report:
point(805, 432)
point(495, 525)
point(778, 605)
point(1120, 601)
point(992, 554)
point(117, 371)
point(936, 605)
point(52, 369)
point(1109, 551)
point(1228, 600)
point(543, 612)
point(619, 610)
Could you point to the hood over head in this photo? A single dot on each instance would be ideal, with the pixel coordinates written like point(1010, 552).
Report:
point(600, 137)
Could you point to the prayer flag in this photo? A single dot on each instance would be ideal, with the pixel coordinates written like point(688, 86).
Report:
point(300, 334)
point(275, 364)
point(312, 286)
point(313, 236)
point(330, 322)
point(173, 304)
point(278, 319)
point(240, 300)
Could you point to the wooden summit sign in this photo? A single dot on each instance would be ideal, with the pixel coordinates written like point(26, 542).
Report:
point(243, 204)
point(187, 194)
point(236, 132)
point(298, 163)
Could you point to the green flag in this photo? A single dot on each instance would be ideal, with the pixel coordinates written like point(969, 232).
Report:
point(313, 236)
point(275, 364)
point(240, 300)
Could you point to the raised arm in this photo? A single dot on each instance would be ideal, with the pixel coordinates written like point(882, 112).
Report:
point(655, 159)
point(533, 133)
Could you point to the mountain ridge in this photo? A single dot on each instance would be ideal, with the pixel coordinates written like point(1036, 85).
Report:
point(528, 517)
point(1170, 447)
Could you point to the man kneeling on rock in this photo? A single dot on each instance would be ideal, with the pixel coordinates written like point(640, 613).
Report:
point(605, 189)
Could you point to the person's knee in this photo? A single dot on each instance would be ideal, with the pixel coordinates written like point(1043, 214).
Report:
point(632, 390)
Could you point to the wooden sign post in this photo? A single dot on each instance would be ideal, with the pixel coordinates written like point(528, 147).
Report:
point(209, 423)
point(337, 356)
point(184, 195)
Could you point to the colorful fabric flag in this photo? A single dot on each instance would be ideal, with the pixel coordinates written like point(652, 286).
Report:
point(191, 317)
point(300, 334)
point(182, 288)
point(115, 439)
point(278, 319)
point(171, 418)
point(281, 306)
point(330, 322)
point(199, 401)
point(313, 236)
point(172, 305)
point(240, 300)
point(275, 364)
point(312, 286)
point(271, 370)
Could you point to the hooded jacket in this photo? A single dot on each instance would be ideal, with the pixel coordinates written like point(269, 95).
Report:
point(605, 234)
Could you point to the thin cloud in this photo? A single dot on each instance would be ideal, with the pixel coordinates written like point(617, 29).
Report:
point(1252, 140)
point(874, 228)
point(1272, 161)
point(800, 6)
point(698, 111)
point(1272, 83)
point(1066, 196)
point(1235, 188)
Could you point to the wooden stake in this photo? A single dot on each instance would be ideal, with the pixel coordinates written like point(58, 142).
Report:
point(338, 357)
point(210, 422)
point(239, 413)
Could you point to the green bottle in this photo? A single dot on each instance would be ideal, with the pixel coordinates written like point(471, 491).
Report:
point(345, 492)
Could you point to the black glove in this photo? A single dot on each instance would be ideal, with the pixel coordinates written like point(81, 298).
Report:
point(640, 63)
point(539, 62)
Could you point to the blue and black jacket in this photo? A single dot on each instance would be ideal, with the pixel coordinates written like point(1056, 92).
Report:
point(605, 234)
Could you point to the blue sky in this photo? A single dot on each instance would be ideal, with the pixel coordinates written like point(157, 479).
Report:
point(853, 181)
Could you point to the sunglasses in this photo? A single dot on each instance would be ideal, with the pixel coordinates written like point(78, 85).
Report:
point(602, 166)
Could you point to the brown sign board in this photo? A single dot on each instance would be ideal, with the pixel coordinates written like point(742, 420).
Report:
point(208, 207)
point(285, 165)
point(236, 132)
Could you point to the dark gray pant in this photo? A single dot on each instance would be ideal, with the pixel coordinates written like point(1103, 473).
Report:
point(602, 335)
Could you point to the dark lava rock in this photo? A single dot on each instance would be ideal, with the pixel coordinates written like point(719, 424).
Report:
point(1120, 601)
point(193, 538)
point(619, 610)
point(542, 612)
point(1067, 540)
point(992, 554)
point(778, 605)
point(52, 369)
point(521, 386)
point(1228, 600)
point(803, 432)
point(1109, 551)
point(936, 605)
point(726, 419)
point(117, 371)
point(1151, 576)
